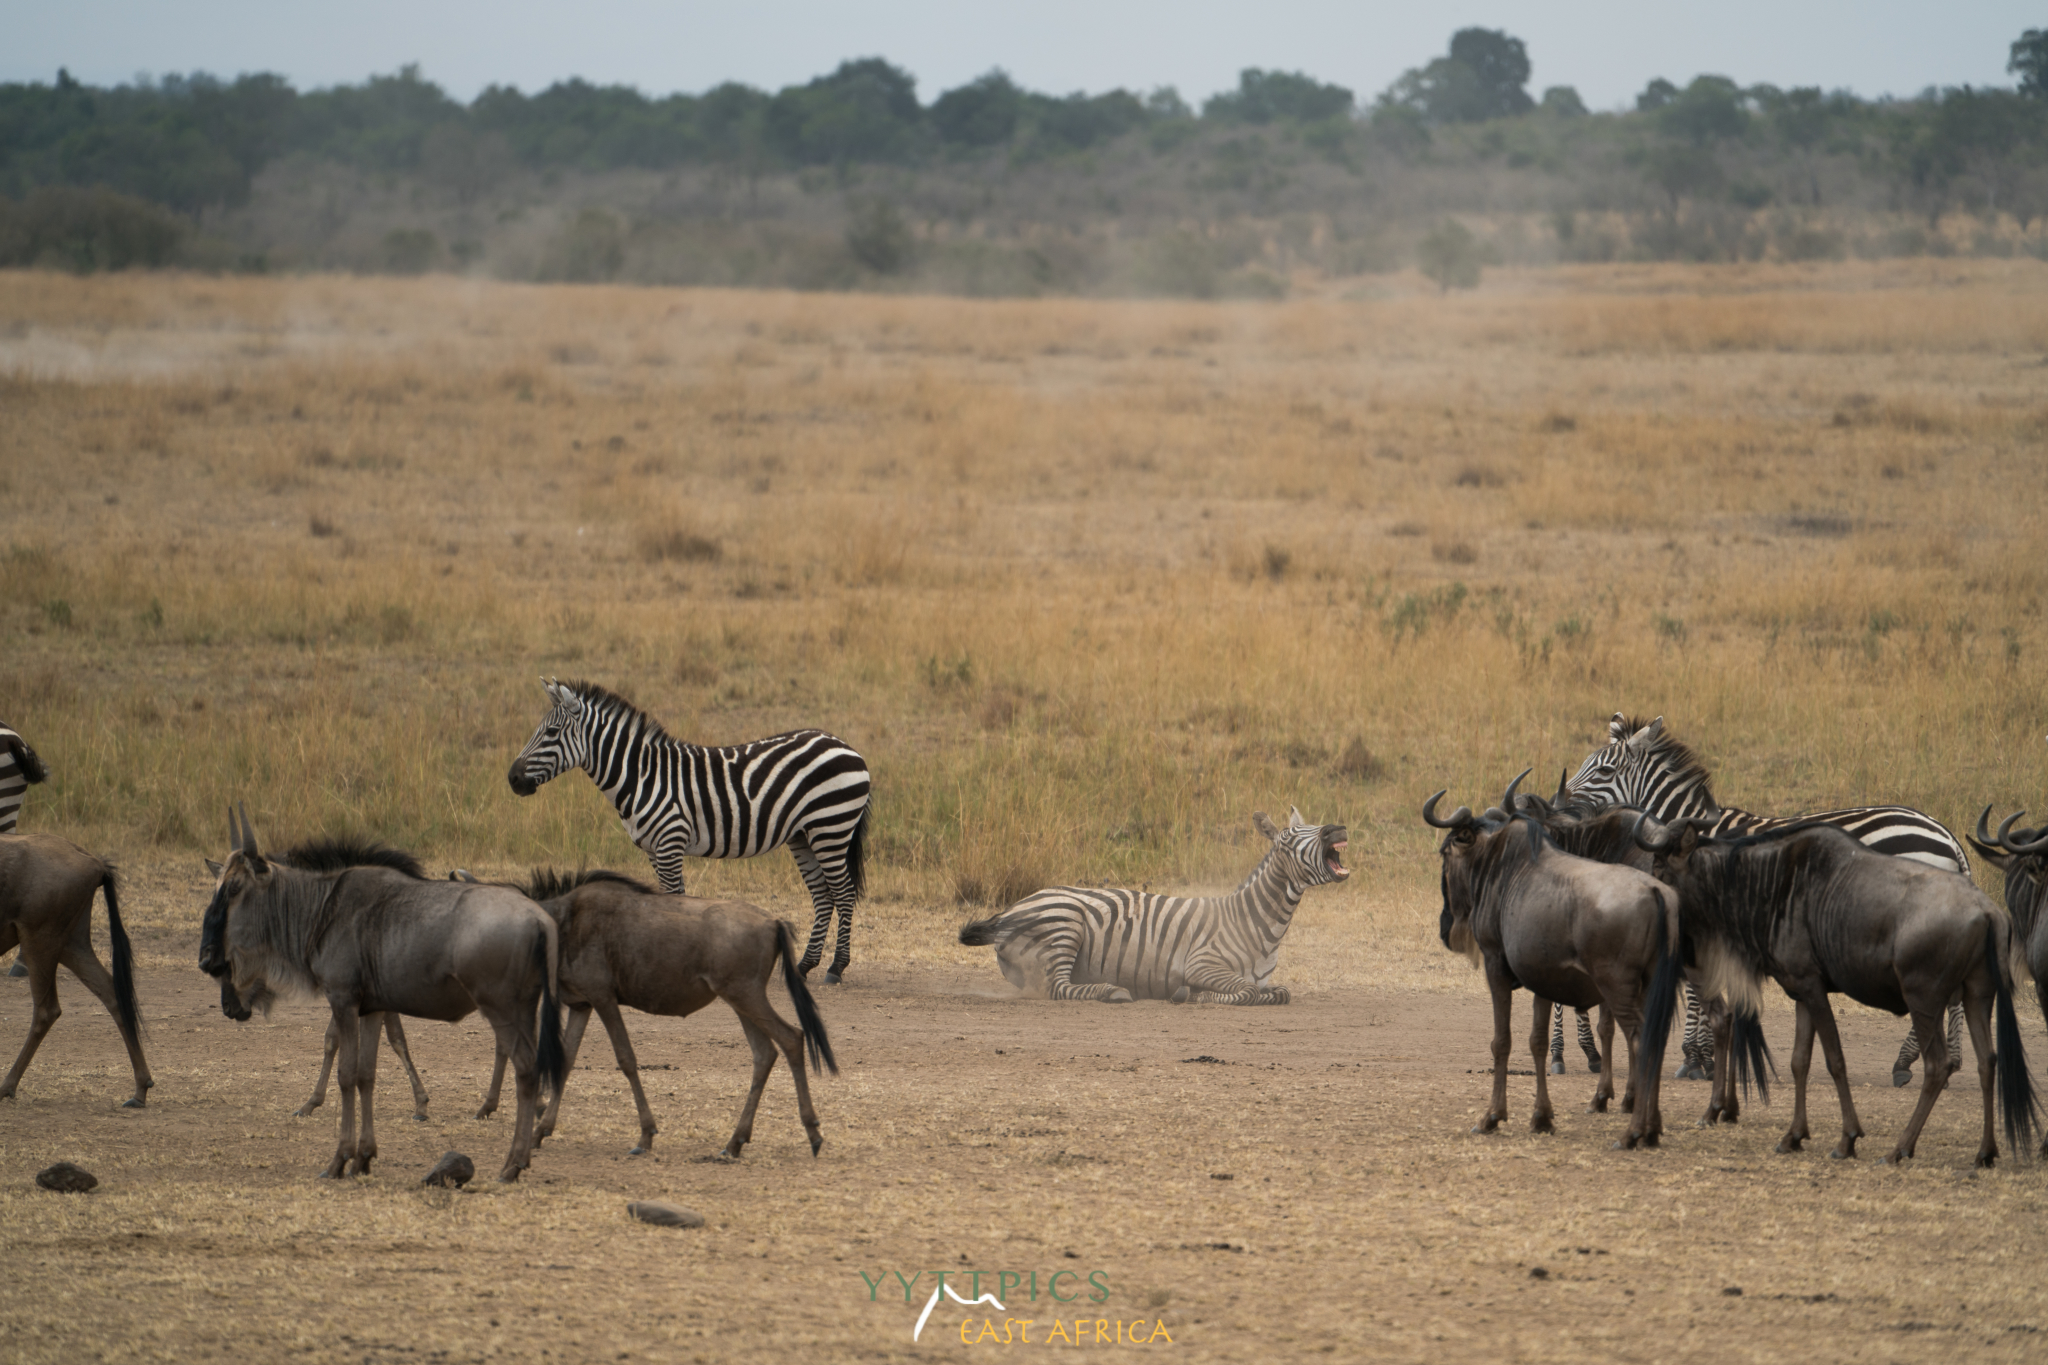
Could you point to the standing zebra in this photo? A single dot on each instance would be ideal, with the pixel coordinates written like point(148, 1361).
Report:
point(19, 767)
point(804, 789)
point(1080, 943)
point(1641, 766)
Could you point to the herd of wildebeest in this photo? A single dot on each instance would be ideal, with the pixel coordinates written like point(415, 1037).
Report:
point(1609, 896)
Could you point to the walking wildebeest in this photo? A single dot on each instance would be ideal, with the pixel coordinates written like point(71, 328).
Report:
point(1565, 928)
point(2023, 858)
point(46, 886)
point(1606, 834)
point(332, 855)
point(372, 939)
point(623, 943)
point(1818, 912)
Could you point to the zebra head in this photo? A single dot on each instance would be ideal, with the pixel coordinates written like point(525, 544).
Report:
point(1644, 767)
point(1309, 855)
point(561, 742)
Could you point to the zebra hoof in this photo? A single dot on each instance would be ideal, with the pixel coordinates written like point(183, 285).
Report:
point(1119, 996)
point(831, 978)
point(1180, 997)
point(1557, 1066)
point(1901, 1077)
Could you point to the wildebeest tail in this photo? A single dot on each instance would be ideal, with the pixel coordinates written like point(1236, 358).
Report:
point(1661, 1005)
point(1751, 1054)
point(548, 1059)
point(857, 851)
point(807, 1017)
point(124, 958)
point(2015, 1082)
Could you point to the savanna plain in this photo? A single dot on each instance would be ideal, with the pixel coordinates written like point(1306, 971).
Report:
point(1088, 583)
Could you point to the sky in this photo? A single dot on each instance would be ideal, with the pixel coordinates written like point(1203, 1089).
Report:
point(1607, 49)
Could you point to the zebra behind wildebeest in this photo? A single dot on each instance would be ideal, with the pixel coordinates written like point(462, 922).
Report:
point(370, 940)
point(678, 800)
point(1819, 913)
point(1564, 928)
point(19, 767)
point(1084, 943)
point(1644, 767)
point(46, 891)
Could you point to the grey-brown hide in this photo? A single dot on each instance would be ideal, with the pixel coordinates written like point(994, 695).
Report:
point(1819, 912)
point(46, 891)
point(1564, 928)
point(372, 939)
point(624, 944)
point(2022, 855)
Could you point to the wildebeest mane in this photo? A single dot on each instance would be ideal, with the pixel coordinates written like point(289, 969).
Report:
point(1746, 886)
point(1605, 834)
point(1492, 869)
point(332, 853)
point(594, 694)
point(546, 883)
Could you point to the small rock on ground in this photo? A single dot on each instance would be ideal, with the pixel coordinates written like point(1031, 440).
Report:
point(665, 1215)
point(452, 1169)
point(66, 1178)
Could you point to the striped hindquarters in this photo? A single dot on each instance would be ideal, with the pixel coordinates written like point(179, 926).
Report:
point(1897, 830)
point(13, 781)
point(745, 799)
point(1074, 937)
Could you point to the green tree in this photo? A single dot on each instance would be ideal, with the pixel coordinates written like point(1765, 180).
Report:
point(982, 113)
point(1274, 96)
point(1484, 77)
point(2029, 61)
point(1451, 256)
point(867, 110)
point(1708, 110)
point(1564, 101)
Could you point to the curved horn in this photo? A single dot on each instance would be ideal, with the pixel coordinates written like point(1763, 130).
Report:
point(1983, 834)
point(2035, 847)
point(1507, 800)
point(1563, 776)
point(235, 833)
point(1635, 833)
point(1460, 817)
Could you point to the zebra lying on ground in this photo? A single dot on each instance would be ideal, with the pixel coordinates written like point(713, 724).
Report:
point(1644, 767)
point(19, 767)
point(804, 789)
point(1084, 943)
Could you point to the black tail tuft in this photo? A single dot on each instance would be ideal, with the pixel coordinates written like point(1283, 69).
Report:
point(807, 1017)
point(857, 852)
point(980, 933)
point(2015, 1082)
point(124, 959)
point(1751, 1054)
point(1659, 1008)
point(549, 1061)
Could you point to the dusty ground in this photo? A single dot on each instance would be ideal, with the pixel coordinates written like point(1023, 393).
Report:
point(1313, 1189)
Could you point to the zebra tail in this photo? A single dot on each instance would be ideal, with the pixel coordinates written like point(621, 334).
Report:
point(549, 1060)
point(1751, 1053)
point(807, 1017)
point(2015, 1082)
point(1659, 1008)
point(980, 933)
point(124, 959)
point(857, 851)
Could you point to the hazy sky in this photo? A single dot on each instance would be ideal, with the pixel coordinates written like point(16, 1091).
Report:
point(1608, 49)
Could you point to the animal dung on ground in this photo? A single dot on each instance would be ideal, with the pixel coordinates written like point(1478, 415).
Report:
point(66, 1178)
point(665, 1215)
point(452, 1169)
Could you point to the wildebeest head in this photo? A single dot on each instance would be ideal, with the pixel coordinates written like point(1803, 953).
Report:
point(1672, 846)
point(1313, 853)
point(2022, 855)
point(1468, 851)
point(244, 870)
point(561, 742)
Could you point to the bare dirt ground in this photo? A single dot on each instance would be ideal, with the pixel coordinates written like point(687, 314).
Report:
point(1251, 1183)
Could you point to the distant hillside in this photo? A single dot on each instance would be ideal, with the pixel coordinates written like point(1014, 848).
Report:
point(849, 181)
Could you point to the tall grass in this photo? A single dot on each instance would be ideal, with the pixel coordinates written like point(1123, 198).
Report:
point(1087, 582)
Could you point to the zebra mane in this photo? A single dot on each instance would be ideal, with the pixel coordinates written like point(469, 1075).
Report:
point(1673, 753)
point(332, 853)
point(604, 699)
point(546, 883)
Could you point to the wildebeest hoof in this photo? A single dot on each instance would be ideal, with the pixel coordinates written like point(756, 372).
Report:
point(1787, 1146)
point(1901, 1077)
point(817, 1141)
point(304, 1111)
point(637, 1151)
point(134, 1102)
point(419, 1117)
point(19, 968)
point(1986, 1160)
point(1598, 1105)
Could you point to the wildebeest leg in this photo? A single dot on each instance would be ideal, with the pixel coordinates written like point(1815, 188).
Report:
point(1603, 1090)
point(1542, 1119)
point(348, 1042)
point(1503, 1002)
point(1802, 1060)
point(1831, 1046)
point(1934, 1071)
point(1979, 1016)
point(490, 1105)
point(572, 1043)
point(42, 994)
point(326, 1065)
point(629, 1064)
point(78, 956)
point(395, 1032)
point(1646, 1122)
point(516, 1042)
point(1723, 1106)
point(764, 1026)
point(368, 1028)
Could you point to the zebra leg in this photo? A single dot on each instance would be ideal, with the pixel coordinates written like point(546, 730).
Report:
point(1059, 985)
point(843, 954)
point(1955, 1040)
point(1586, 1043)
point(1221, 988)
point(1557, 1043)
point(820, 887)
point(1694, 1065)
point(1909, 1052)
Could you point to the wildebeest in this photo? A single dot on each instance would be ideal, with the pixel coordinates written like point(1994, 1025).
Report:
point(1563, 927)
point(1819, 912)
point(46, 889)
point(332, 855)
point(2023, 857)
point(372, 939)
point(623, 943)
point(1116, 945)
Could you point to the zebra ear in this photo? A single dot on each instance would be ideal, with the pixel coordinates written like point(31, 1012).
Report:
point(1295, 819)
point(1645, 737)
point(1617, 727)
point(1264, 825)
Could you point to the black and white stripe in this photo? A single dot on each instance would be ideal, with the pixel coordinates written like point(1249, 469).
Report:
point(1644, 767)
point(804, 789)
point(1085, 943)
point(19, 768)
